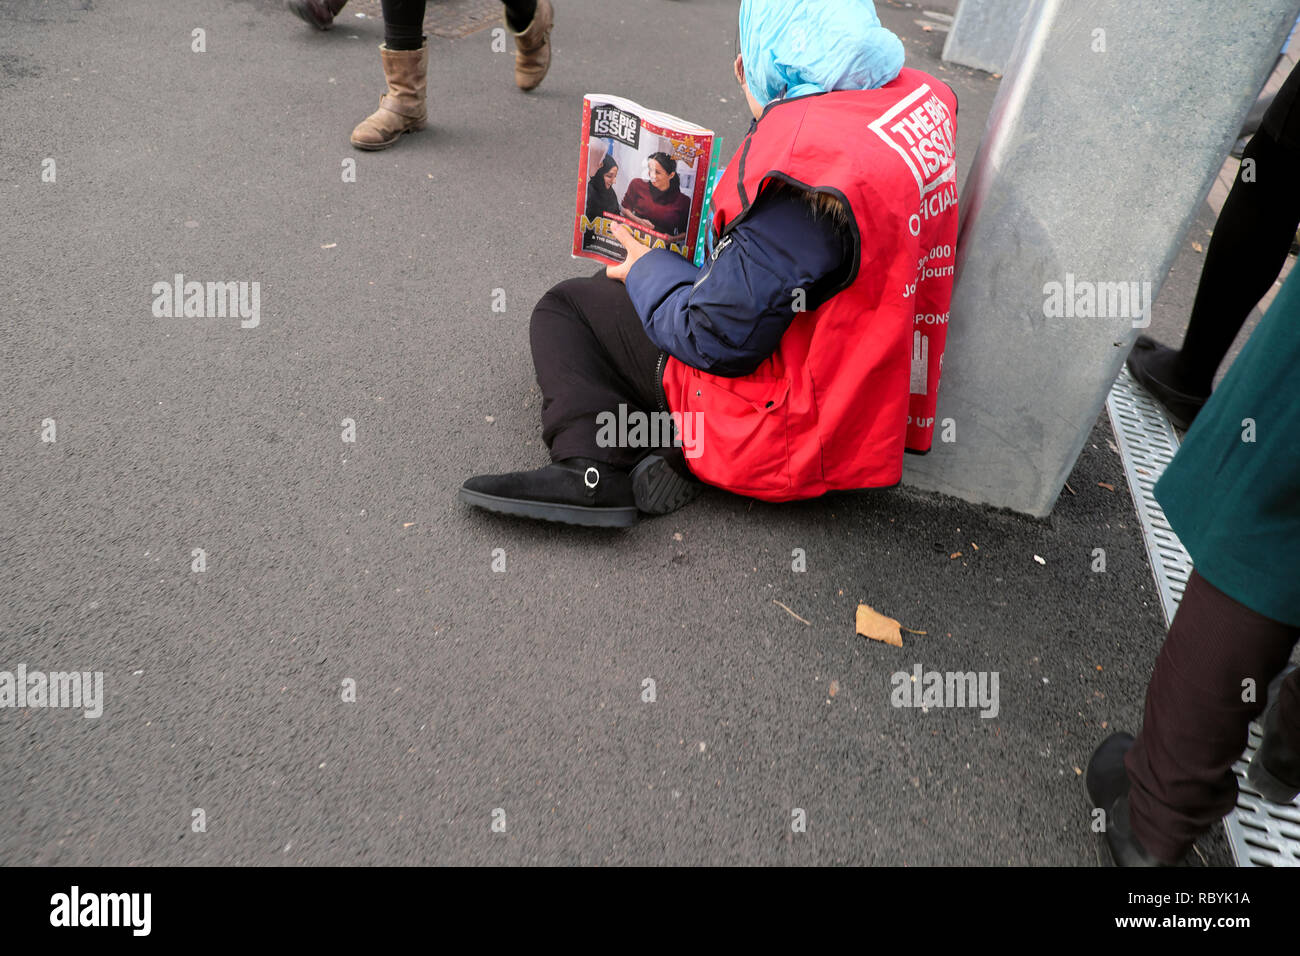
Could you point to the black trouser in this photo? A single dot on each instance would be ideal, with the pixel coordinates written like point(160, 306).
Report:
point(592, 355)
point(404, 21)
point(1250, 243)
point(1196, 724)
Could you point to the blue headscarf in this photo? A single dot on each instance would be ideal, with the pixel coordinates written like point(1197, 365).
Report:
point(796, 47)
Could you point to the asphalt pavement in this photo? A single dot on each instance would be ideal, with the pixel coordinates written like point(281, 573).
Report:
point(481, 696)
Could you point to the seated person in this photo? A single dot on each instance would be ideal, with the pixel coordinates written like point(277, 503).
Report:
point(785, 365)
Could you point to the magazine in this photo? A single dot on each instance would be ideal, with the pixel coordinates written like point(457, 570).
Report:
point(648, 170)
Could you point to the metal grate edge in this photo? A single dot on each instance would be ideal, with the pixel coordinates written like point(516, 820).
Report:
point(1260, 833)
point(1147, 444)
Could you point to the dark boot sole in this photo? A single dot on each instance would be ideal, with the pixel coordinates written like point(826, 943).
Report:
point(657, 489)
point(376, 147)
point(1123, 847)
point(548, 511)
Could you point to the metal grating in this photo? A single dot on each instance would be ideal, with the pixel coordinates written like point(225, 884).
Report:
point(1260, 833)
point(1147, 443)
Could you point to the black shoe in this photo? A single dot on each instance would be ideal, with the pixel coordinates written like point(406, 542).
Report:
point(659, 488)
point(319, 13)
point(1108, 788)
point(574, 491)
point(1274, 771)
point(1142, 361)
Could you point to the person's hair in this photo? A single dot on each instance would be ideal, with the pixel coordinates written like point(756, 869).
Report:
point(825, 205)
point(669, 166)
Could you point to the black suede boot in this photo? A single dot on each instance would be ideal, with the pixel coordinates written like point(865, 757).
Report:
point(658, 487)
point(1153, 364)
point(1274, 771)
point(1108, 788)
point(574, 491)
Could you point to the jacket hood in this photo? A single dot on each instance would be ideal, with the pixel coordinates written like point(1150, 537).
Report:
point(799, 47)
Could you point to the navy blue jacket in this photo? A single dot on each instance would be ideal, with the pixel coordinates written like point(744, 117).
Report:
point(729, 316)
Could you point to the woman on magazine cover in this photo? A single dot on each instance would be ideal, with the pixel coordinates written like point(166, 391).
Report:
point(602, 200)
point(784, 366)
point(657, 202)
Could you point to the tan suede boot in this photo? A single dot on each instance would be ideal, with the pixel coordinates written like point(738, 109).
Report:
point(401, 109)
point(533, 47)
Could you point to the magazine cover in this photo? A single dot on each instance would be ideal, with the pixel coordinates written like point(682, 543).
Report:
point(648, 170)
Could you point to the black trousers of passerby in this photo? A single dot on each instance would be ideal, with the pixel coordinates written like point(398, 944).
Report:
point(592, 355)
point(1252, 237)
point(404, 21)
point(1196, 722)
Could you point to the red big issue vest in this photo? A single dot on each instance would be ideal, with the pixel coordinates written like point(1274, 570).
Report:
point(854, 381)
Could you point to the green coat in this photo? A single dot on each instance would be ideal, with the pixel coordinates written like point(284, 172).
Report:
point(1235, 503)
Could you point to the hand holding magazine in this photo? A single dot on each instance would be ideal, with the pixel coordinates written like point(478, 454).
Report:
point(650, 171)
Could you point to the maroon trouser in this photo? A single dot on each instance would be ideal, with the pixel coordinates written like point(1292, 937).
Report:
point(1196, 722)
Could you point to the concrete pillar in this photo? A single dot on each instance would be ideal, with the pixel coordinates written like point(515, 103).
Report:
point(984, 32)
point(1103, 142)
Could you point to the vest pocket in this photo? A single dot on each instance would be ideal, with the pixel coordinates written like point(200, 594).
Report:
point(744, 425)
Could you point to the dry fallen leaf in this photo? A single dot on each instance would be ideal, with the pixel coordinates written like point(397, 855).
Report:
point(955, 554)
point(1198, 247)
point(834, 688)
point(874, 625)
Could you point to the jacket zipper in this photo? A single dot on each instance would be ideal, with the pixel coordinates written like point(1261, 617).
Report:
point(659, 381)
